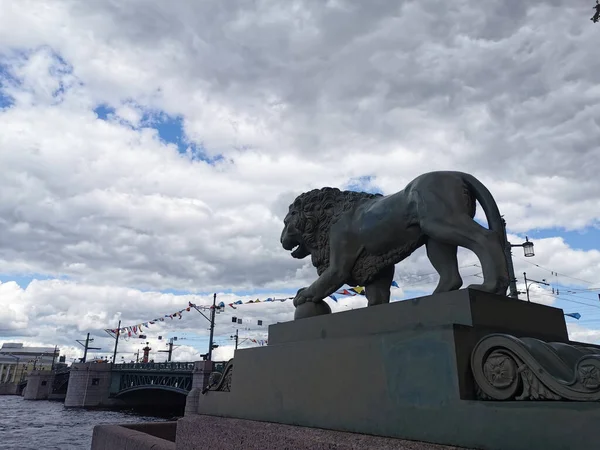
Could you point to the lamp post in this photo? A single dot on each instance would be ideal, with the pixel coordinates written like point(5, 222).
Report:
point(213, 311)
point(170, 348)
point(531, 282)
point(528, 252)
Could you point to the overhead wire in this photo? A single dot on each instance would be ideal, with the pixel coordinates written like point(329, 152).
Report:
point(557, 273)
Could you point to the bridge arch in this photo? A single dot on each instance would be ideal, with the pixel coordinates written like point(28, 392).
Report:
point(147, 388)
point(165, 401)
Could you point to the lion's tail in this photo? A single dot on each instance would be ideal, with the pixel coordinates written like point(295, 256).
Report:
point(490, 207)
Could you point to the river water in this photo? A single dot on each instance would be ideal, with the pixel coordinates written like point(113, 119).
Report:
point(41, 425)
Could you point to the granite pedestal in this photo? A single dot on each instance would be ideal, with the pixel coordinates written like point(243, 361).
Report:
point(401, 370)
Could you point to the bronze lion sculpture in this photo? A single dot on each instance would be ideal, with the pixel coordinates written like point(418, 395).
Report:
point(356, 238)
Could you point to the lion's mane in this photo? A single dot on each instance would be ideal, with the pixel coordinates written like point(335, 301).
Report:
point(318, 210)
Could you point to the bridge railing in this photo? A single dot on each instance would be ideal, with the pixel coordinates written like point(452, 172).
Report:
point(157, 367)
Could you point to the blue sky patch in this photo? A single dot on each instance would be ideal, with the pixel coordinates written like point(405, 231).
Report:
point(586, 239)
point(363, 184)
point(170, 130)
point(24, 280)
point(6, 78)
point(103, 112)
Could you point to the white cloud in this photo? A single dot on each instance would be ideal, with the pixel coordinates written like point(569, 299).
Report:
point(292, 98)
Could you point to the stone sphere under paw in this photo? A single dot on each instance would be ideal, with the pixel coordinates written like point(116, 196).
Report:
point(311, 309)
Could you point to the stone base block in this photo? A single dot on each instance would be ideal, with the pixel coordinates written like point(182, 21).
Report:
point(401, 370)
point(39, 385)
point(141, 436)
point(9, 389)
point(89, 385)
point(216, 433)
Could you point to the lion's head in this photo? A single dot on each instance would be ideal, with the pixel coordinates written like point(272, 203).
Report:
point(307, 223)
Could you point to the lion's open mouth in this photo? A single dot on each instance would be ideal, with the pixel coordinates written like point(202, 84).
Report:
point(300, 251)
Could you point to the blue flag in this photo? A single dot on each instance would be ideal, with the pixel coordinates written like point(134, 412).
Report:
point(333, 297)
point(574, 315)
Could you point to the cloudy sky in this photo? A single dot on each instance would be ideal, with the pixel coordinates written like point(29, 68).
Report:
point(149, 150)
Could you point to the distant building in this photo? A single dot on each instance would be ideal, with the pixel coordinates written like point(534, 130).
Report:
point(16, 360)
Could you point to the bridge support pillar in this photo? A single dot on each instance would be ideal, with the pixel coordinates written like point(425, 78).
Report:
point(89, 385)
point(39, 385)
point(202, 371)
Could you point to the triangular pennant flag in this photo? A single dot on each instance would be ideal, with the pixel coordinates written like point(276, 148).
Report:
point(574, 315)
point(395, 284)
point(333, 297)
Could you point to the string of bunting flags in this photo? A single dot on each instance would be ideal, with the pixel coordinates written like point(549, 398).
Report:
point(359, 290)
point(139, 327)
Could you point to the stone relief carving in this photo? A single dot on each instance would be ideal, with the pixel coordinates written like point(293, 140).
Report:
point(356, 238)
point(510, 368)
point(218, 381)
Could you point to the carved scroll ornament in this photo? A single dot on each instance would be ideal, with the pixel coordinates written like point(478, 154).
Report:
point(218, 381)
point(510, 368)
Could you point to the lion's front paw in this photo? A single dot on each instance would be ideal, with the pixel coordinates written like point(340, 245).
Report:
point(301, 297)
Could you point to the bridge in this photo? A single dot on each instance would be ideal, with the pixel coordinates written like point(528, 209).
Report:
point(169, 376)
point(60, 382)
point(159, 386)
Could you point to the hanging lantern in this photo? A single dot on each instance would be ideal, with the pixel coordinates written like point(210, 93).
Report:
point(528, 248)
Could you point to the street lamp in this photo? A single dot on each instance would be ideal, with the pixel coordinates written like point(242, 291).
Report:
point(531, 282)
point(527, 248)
point(213, 311)
point(527, 251)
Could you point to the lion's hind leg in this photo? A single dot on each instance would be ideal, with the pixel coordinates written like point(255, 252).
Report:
point(461, 230)
point(443, 259)
point(378, 290)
